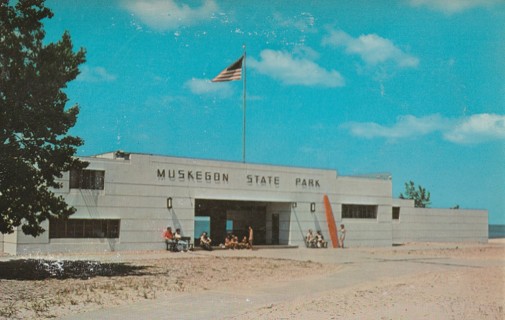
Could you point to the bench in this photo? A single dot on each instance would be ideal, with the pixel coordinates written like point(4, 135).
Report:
point(313, 244)
point(191, 245)
point(171, 245)
point(175, 246)
point(310, 244)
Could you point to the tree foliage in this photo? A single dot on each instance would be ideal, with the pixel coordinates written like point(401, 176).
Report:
point(420, 196)
point(34, 145)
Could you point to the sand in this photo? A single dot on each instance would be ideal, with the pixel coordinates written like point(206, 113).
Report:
point(414, 281)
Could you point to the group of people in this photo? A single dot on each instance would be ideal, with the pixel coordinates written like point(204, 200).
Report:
point(231, 242)
point(174, 241)
point(317, 240)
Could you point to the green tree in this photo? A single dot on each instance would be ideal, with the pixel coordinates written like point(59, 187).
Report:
point(420, 196)
point(34, 145)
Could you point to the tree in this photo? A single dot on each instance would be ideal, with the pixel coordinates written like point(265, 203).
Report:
point(34, 145)
point(420, 196)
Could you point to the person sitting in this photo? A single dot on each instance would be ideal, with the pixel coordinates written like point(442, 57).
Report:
point(169, 238)
point(320, 242)
point(234, 241)
point(226, 244)
point(181, 244)
point(205, 242)
point(229, 242)
point(244, 244)
point(310, 240)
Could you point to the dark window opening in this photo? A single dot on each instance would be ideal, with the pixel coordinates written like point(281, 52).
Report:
point(357, 211)
point(396, 213)
point(84, 228)
point(87, 179)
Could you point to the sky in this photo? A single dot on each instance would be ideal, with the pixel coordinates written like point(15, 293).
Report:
point(412, 88)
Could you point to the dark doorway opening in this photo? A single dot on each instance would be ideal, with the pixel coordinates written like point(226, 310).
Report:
point(275, 228)
point(232, 216)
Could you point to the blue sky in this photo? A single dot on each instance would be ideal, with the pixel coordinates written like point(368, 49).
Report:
point(415, 88)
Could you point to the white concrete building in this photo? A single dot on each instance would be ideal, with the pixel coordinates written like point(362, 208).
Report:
point(124, 202)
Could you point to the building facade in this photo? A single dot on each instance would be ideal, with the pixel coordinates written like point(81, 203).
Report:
point(124, 201)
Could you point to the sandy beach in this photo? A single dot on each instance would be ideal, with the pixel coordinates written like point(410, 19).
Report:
point(413, 281)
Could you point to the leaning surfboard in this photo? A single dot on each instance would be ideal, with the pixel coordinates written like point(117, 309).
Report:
point(332, 227)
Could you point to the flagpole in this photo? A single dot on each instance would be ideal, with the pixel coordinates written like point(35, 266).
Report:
point(244, 116)
point(237, 71)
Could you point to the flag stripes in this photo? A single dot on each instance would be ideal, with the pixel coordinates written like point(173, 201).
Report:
point(232, 72)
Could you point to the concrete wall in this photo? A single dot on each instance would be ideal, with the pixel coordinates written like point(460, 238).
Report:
point(136, 192)
point(367, 191)
point(284, 212)
point(404, 203)
point(440, 225)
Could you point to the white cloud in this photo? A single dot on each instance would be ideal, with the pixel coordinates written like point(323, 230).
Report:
point(372, 48)
point(452, 6)
point(291, 70)
point(206, 87)
point(165, 15)
point(95, 74)
point(466, 130)
point(477, 128)
point(405, 127)
point(305, 52)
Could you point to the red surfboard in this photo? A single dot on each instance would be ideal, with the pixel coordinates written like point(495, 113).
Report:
point(332, 227)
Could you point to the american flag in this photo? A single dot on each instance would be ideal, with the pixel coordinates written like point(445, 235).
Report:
point(232, 72)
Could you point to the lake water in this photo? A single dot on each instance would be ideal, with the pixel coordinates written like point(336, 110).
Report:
point(496, 231)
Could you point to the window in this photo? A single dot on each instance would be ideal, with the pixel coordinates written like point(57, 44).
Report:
point(229, 226)
point(83, 228)
point(358, 211)
point(396, 213)
point(87, 179)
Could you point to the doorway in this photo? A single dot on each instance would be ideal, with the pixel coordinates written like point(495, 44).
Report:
point(231, 216)
point(275, 228)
